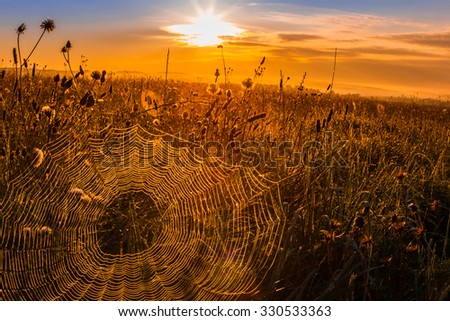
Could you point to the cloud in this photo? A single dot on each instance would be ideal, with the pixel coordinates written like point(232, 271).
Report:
point(241, 43)
point(388, 51)
point(298, 37)
point(439, 40)
point(301, 52)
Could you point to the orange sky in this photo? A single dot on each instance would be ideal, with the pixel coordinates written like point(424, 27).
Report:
point(400, 49)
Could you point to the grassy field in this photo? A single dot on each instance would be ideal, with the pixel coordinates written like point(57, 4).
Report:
point(366, 183)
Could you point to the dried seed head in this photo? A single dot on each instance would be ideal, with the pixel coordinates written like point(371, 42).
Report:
point(16, 61)
point(22, 28)
point(38, 157)
point(96, 75)
point(212, 88)
point(247, 83)
point(48, 25)
point(103, 78)
point(262, 61)
point(330, 115)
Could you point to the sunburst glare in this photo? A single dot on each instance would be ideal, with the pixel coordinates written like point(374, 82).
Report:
point(207, 29)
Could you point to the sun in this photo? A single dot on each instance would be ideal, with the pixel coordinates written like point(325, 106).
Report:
point(207, 29)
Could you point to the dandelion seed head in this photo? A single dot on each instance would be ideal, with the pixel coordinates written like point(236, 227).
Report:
point(96, 75)
point(48, 25)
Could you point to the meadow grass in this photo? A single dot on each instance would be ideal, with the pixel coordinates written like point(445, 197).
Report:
point(366, 221)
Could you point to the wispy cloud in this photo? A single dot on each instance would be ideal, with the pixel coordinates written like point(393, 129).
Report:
point(438, 40)
point(388, 51)
point(297, 37)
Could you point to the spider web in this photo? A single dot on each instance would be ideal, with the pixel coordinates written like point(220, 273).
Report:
point(125, 214)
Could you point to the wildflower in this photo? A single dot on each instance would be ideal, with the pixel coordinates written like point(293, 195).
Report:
point(21, 28)
point(68, 45)
point(419, 231)
point(397, 222)
point(48, 25)
point(229, 93)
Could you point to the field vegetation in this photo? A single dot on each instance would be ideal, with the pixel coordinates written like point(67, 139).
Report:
point(365, 181)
